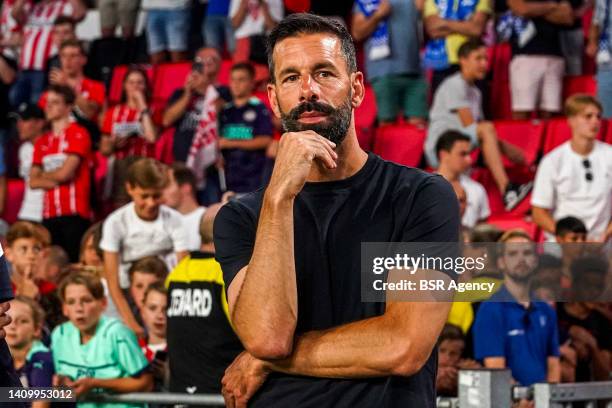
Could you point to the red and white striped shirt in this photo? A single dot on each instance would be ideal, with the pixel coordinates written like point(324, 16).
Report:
point(50, 153)
point(37, 42)
point(121, 121)
point(8, 25)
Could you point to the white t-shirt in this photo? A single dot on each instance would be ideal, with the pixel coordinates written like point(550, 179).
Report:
point(477, 207)
point(192, 227)
point(164, 4)
point(134, 238)
point(561, 186)
point(32, 204)
point(254, 22)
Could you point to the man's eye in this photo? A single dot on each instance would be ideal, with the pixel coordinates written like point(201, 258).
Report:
point(291, 78)
point(325, 74)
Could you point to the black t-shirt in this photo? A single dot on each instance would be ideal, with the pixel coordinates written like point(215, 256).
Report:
point(544, 42)
point(187, 124)
point(382, 202)
point(4, 92)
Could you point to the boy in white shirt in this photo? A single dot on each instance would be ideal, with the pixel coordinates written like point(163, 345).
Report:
point(144, 227)
point(575, 179)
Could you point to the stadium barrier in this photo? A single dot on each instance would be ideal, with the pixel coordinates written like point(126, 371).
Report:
point(487, 388)
point(481, 388)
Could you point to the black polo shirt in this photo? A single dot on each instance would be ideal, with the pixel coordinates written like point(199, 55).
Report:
point(382, 202)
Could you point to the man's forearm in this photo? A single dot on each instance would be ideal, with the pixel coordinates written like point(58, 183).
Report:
point(395, 343)
point(270, 275)
point(543, 219)
point(356, 350)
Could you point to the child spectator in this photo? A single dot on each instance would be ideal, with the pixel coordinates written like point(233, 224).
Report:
point(127, 131)
point(180, 194)
point(153, 312)
point(144, 273)
point(245, 131)
point(92, 352)
point(457, 105)
point(61, 167)
point(141, 228)
point(155, 347)
point(90, 255)
point(573, 179)
point(571, 234)
point(30, 126)
point(32, 359)
point(451, 345)
point(53, 264)
point(25, 246)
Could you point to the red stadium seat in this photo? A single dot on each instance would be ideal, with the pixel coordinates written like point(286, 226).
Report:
point(164, 145)
point(501, 99)
point(365, 119)
point(557, 133)
point(579, 84)
point(527, 135)
point(607, 133)
point(14, 197)
point(401, 144)
point(224, 72)
point(507, 223)
point(167, 78)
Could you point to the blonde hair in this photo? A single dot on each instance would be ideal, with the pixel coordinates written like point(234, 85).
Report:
point(514, 233)
point(576, 103)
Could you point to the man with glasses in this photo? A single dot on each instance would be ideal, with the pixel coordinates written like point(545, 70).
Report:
point(575, 179)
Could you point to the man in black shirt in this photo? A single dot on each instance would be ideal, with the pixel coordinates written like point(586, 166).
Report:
point(290, 254)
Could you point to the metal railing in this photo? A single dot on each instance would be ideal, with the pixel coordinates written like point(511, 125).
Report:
point(481, 388)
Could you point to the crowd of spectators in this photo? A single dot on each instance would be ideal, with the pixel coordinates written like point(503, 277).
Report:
point(108, 230)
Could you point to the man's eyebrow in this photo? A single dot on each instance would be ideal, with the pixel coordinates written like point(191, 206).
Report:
point(316, 67)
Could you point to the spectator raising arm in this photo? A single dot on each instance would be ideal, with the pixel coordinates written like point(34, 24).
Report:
point(241, 14)
point(79, 9)
point(363, 26)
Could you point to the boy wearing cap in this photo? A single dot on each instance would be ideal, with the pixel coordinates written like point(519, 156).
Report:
point(30, 126)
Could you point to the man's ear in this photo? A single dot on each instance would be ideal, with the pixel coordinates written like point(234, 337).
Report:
point(358, 89)
point(271, 88)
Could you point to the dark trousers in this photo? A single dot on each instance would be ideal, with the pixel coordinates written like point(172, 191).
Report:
point(67, 232)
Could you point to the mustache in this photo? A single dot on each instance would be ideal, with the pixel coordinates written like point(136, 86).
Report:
point(310, 106)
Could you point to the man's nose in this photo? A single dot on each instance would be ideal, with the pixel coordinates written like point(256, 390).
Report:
point(309, 90)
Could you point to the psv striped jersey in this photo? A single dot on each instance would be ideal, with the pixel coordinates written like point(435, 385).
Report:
point(50, 153)
point(37, 44)
point(122, 121)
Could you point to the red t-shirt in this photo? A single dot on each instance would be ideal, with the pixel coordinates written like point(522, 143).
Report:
point(122, 121)
point(89, 89)
point(50, 153)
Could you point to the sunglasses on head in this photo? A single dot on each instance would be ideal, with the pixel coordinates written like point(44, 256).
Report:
point(588, 175)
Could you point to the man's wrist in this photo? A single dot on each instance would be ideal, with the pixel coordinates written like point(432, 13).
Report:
point(277, 199)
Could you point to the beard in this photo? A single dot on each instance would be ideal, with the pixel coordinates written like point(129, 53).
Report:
point(334, 127)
